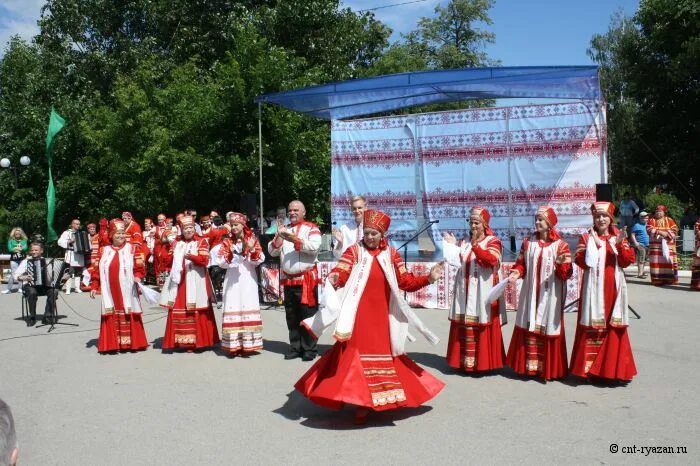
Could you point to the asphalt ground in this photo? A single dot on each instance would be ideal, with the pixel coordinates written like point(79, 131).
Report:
point(73, 406)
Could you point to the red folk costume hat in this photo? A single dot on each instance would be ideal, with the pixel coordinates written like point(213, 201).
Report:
point(606, 208)
point(661, 208)
point(551, 218)
point(485, 217)
point(376, 220)
point(186, 220)
point(115, 226)
point(237, 217)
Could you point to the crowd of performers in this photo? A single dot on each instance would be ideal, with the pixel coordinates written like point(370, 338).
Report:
point(362, 299)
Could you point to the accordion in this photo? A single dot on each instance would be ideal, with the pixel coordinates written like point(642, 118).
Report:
point(82, 242)
point(46, 272)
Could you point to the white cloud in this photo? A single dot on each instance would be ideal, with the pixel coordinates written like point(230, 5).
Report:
point(400, 18)
point(19, 17)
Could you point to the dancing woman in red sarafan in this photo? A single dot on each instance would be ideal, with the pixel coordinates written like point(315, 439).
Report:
point(538, 345)
point(368, 366)
point(115, 270)
point(602, 347)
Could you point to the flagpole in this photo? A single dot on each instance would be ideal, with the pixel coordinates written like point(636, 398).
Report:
point(261, 215)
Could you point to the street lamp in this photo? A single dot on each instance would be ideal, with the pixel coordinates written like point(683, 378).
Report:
point(24, 161)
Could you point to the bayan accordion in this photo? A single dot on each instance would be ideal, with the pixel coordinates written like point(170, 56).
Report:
point(82, 242)
point(46, 272)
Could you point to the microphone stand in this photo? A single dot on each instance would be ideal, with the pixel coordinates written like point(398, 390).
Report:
point(404, 246)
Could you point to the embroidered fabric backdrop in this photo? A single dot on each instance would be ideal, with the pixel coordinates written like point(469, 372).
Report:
point(508, 159)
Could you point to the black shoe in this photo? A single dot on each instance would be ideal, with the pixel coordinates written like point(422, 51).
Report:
point(308, 356)
point(45, 321)
point(31, 323)
point(291, 355)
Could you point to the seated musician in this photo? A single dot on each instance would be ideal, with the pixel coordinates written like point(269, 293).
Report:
point(32, 272)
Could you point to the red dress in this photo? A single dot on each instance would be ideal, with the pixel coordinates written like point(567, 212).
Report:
point(188, 328)
point(526, 346)
point(475, 347)
point(604, 353)
point(362, 370)
point(119, 331)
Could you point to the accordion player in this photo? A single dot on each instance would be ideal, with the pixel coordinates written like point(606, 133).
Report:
point(41, 277)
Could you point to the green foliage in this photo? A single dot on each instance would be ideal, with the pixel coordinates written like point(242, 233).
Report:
point(158, 98)
point(649, 71)
point(674, 206)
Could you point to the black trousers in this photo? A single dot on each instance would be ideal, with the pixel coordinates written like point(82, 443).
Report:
point(299, 339)
point(33, 292)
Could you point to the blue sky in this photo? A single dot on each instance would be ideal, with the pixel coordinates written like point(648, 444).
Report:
point(528, 32)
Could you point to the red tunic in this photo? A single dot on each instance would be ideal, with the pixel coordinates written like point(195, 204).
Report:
point(362, 371)
point(604, 353)
point(119, 331)
point(475, 347)
point(191, 328)
point(548, 351)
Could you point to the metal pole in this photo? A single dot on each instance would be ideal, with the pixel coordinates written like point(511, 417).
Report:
point(511, 224)
point(261, 215)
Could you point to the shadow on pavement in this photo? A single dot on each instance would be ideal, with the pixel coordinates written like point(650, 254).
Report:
point(281, 347)
point(297, 407)
point(157, 343)
point(91, 343)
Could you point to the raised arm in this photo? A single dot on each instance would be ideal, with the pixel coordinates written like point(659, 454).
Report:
point(407, 281)
point(490, 256)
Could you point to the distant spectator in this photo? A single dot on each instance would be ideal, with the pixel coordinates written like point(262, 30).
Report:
point(640, 240)
point(689, 218)
point(628, 209)
point(8, 436)
point(17, 246)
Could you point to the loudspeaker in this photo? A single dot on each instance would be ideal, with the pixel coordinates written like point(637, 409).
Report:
point(604, 192)
point(247, 204)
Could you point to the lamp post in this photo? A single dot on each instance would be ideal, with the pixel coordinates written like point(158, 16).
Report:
point(24, 161)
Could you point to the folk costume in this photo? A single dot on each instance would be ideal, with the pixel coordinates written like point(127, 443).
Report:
point(695, 277)
point(475, 342)
point(299, 278)
point(187, 295)
point(114, 275)
point(663, 262)
point(602, 347)
point(242, 323)
point(75, 260)
point(352, 233)
point(538, 345)
point(368, 366)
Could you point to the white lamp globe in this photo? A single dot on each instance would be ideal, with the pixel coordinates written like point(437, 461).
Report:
point(5, 163)
point(24, 160)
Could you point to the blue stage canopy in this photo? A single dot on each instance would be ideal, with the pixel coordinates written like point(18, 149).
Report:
point(384, 93)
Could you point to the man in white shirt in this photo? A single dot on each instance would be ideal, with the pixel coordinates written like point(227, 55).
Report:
point(75, 260)
point(351, 232)
point(297, 246)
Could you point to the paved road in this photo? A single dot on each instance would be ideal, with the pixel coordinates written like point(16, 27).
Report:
point(74, 406)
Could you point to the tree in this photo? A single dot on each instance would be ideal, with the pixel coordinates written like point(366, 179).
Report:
point(158, 98)
point(649, 68)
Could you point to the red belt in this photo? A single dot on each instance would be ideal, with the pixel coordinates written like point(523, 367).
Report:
point(308, 281)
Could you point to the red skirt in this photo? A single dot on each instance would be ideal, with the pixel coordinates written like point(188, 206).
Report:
point(605, 354)
point(533, 354)
point(193, 329)
point(476, 348)
point(121, 332)
point(342, 376)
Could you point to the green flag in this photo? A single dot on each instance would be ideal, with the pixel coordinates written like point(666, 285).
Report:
point(56, 123)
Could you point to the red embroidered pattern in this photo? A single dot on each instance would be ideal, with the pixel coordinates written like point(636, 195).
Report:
point(470, 115)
